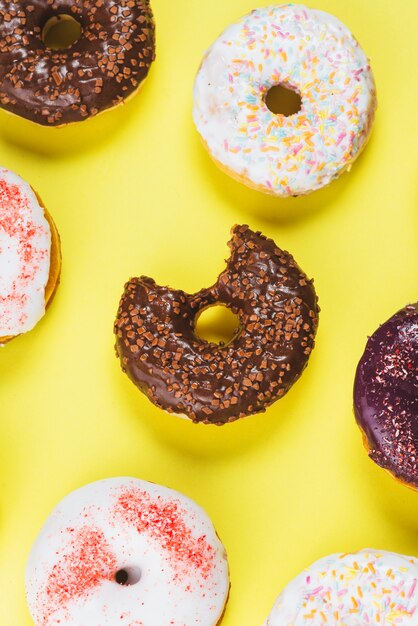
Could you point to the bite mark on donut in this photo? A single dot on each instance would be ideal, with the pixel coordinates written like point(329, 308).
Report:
point(165, 522)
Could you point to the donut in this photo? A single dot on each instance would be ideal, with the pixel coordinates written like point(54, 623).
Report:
point(128, 552)
point(276, 305)
point(100, 70)
point(30, 257)
point(386, 396)
point(307, 52)
point(365, 588)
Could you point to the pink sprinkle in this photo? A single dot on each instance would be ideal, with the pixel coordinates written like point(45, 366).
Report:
point(85, 563)
point(164, 521)
point(278, 31)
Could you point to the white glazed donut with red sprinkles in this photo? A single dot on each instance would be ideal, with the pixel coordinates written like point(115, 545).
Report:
point(127, 552)
point(25, 247)
point(304, 50)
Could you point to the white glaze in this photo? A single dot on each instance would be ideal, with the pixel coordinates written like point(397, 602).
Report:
point(176, 587)
point(314, 53)
point(366, 588)
point(25, 248)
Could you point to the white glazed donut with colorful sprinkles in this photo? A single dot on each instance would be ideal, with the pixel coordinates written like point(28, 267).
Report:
point(25, 248)
point(365, 588)
point(127, 552)
point(307, 51)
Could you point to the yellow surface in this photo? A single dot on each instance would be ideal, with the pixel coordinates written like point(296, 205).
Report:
point(283, 488)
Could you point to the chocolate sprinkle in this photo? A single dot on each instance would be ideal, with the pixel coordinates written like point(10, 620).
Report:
point(386, 395)
point(277, 308)
point(101, 69)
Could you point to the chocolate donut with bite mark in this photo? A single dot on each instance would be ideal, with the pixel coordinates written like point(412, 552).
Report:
point(277, 308)
point(100, 70)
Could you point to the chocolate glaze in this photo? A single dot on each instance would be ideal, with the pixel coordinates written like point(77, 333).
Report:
point(386, 395)
point(277, 308)
point(53, 87)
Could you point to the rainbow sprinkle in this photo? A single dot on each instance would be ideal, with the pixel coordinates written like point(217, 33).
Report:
point(366, 588)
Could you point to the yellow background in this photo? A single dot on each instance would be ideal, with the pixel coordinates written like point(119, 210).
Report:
point(283, 488)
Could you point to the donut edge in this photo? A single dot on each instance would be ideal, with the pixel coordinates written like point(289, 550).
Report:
point(54, 265)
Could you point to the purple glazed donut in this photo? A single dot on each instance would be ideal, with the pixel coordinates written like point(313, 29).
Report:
point(386, 396)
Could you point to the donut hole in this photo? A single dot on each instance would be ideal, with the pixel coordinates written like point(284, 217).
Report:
point(60, 32)
point(217, 324)
point(283, 100)
point(128, 576)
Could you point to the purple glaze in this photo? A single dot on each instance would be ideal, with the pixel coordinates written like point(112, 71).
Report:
point(386, 395)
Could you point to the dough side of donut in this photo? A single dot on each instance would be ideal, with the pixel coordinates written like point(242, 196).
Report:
point(56, 261)
point(244, 177)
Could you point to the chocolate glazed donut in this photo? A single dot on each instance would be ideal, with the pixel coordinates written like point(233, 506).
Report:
point(277, 308)
point(102, 68)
